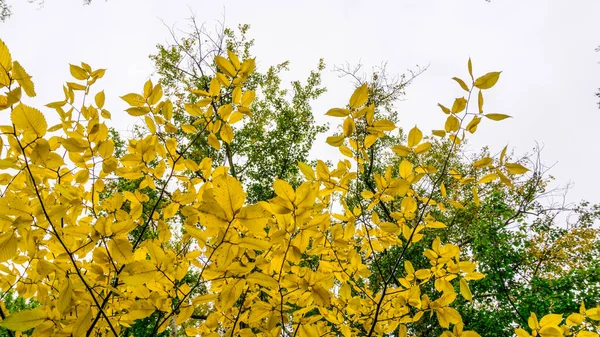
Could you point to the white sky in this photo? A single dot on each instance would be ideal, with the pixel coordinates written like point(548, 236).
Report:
point(545, 49)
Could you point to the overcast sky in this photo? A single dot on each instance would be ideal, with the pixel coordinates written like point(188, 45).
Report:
point(545, 49)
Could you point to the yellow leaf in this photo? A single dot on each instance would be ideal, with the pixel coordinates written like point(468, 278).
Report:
point(8, 246)
point(370, 140)
point(522, 333)
point(472, 127)
point(464, 290)
point(170, 211)
point(515, 168)
point(406, 168)
point(575, 319)
point(137, 111)
point(461, 83)
point(23, 79)
point(475, 196)
point(359, 97)
point(335, 140)
point(5, 64)
point(439, 133)
point(423, 147)
point(497, 117)
point(248, 98)
point(593, 313)
point(470, 67)
point(408, 204)
point(284, 190)
point(156, 94)
point(229, 194)
point(226, 133)
point(551, 319)
point(482, 162)
point(337, 112)
point(150, 123)
point(106, 148)
point(480, 101)
point(307, 171)
point(234, 59)
point(223, 80)
point(214, 88)
point(29, 120)
point(550, 331)
point(459, 105)
point(384, 125)
point(444, 109)
point(346, 151)
point(147, 88)
point(64, 297)
point(414, 137)
point(120, 250)
point(99, 98)
point(134, 99)
point(587, 334)
point(25, 319)
point(78, 72)
point(255, 244)
point(254, 217)
point(225, 66)
point(348, 127)
point(488, 80)
point(487, 178)
point(82, 176)
point(192, 331)
point(400, 150)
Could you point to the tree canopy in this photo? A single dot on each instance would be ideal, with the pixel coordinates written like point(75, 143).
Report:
point(210, 220)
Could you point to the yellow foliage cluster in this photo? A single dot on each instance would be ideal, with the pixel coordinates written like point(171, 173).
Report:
point(297, 265)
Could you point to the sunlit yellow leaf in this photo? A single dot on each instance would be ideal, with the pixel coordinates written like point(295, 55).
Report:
point(25, 319)
point(225, 66)
point(406, 168)
point(335, 140)
point(359, 97)
point(487, 178)
point(337, 112)
point(29, 120)
point(23, 79)
point(99, 99)
point(414, 137)
point(135, 100)
point(465, 291)
point(8, 246)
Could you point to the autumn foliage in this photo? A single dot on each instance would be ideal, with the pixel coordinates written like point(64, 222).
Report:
point(185, 248)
